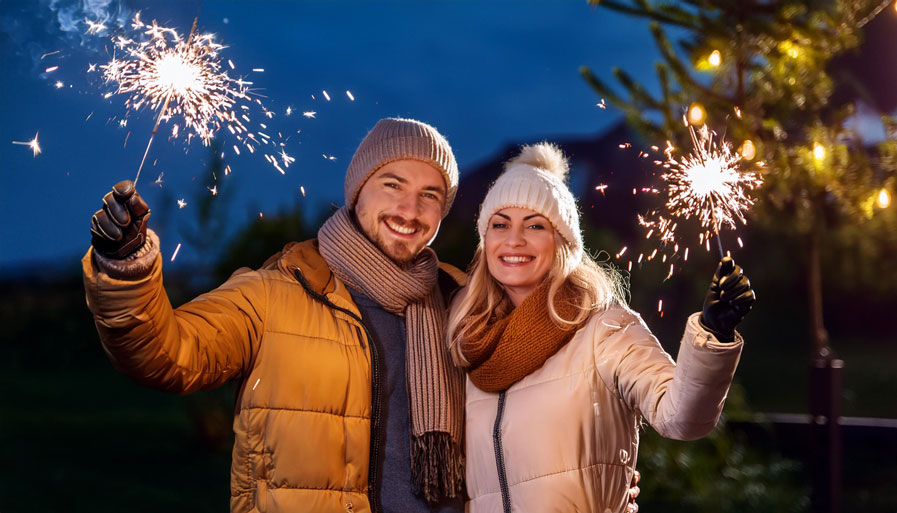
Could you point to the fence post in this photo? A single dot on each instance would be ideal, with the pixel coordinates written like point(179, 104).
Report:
point(825, 457)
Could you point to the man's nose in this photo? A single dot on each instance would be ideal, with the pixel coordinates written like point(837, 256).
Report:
point(408, 205)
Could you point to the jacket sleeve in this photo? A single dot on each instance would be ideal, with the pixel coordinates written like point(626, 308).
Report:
point(198, 346)
point(681, 400)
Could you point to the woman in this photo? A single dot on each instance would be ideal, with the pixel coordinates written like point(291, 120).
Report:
point(560, 372)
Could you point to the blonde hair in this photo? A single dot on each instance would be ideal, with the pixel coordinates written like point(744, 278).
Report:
point(596, 287)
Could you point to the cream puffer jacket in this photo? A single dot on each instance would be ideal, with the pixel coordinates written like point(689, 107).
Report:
point(565, 438)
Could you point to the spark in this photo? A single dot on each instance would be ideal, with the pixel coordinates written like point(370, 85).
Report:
point(601, 187)
point(328, 157)
point(51, 69)
point(601, 104)
point(213, 190)
point(287, 160)
point(58, 84)
point(49, 54)
point(91, 68)
point(660, 305)
point(123, 123)
point(94, 27)
point(258, 70)
point(289, 111)
point(33, 144)
point(622, 252)
point(309, 114)
point(175, 254)
point(302, 190)
point(159, 179)
point(88, 116)
point(227, 170)
point(349, 94)
point(182, 203)
point(715, 58)
point(326, 95)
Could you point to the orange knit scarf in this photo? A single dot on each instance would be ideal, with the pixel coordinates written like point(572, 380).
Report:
point(510, 348)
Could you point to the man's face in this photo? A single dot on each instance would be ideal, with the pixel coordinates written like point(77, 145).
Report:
point(400, 206)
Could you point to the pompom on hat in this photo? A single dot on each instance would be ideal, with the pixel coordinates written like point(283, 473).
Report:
point(394, 139)
point(536, 180)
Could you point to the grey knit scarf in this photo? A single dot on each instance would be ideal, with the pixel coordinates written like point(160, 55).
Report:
point(435, 386)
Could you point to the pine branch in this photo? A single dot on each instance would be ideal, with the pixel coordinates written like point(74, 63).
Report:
point(601, 88)
point(637, 92)
point(644, 12)
point(678, 68)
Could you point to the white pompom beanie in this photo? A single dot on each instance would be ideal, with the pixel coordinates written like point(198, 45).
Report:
point(536, 180)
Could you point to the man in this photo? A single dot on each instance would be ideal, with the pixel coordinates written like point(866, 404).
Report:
point(347, 398)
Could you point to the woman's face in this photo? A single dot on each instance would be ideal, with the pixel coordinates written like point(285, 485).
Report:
point(519, 247)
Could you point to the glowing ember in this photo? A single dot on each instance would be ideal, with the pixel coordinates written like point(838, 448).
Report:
point(95, 27)
point(33, 144)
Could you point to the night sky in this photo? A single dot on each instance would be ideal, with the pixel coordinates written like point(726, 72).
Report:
point(484, 73)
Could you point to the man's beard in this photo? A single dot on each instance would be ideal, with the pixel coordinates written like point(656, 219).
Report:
point(398, 251)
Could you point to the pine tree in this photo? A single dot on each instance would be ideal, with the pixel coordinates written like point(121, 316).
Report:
point(761, 71)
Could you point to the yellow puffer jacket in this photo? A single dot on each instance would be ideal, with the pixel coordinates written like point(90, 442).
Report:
point(304, 406)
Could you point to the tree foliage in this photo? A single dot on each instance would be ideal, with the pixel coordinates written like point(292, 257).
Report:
point(763, 73)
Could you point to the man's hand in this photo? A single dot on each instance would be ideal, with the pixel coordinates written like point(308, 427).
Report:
point(119, 228)
point(728, 300)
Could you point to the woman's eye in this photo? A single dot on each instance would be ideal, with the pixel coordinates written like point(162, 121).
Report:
point(537, 227)
point(498, 226)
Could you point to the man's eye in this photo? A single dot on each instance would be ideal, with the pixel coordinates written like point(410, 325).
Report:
point(392, 185)
point(430, 195)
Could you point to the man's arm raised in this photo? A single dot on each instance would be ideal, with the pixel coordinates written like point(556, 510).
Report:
point(200, 345)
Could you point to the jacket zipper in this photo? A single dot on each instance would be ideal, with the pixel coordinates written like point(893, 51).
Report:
point(499, 456)
point(376, 399)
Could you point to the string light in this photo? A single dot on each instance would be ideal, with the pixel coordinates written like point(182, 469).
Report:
point(883, 199)
point(696, 114)
point(748, 151)
point(818, 152)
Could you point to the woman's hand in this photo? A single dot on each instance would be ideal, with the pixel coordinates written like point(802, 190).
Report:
point(729, 298)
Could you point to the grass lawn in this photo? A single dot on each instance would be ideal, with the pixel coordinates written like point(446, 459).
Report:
point(94, 441)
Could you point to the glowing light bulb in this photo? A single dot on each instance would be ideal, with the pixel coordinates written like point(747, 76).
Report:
point(818, 152)
point(696, 114)
point(883, 199)
point(715, 58)
point(748, 151)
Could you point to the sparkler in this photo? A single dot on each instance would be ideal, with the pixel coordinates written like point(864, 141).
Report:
point(707, 185)
point(184, 77)
point(33, 144)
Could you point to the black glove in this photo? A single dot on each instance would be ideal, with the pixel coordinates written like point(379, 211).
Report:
point(728, 300)
point(119, 228)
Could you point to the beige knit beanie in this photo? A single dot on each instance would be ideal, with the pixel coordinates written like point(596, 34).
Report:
point(536, 180)
point(394, 139)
